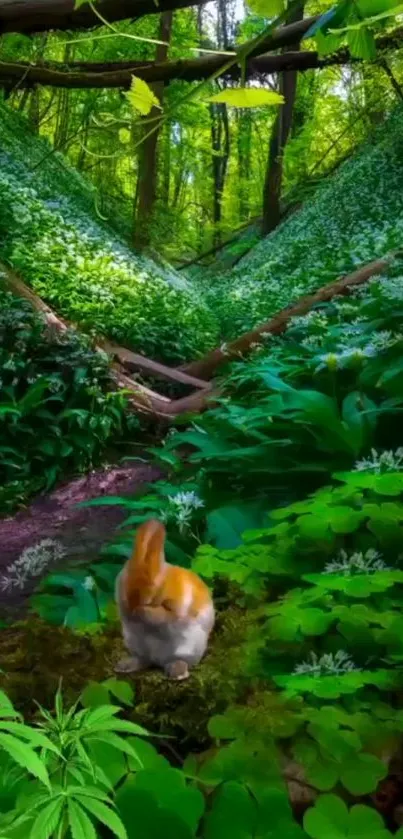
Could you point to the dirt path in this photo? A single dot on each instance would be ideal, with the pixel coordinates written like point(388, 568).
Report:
point(81, 532)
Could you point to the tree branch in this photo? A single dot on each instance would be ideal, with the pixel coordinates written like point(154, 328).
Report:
point(190, 70)
point(29, 16)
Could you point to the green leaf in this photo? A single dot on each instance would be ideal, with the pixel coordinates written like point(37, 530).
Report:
point(315, 621)
point(24, 756)
point(226, 525)
point(80, 825)
point(171, 792)
point(123, 691)
point(247, 97)
point(233, 814)
point(266, 8)
point(103, 813)
point(46, 823)
point(330, 819)
point(361, 774)
point(141, 97)
point(124, 136)
point(361, 43)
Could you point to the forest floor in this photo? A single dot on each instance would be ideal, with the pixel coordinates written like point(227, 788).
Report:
point(81, 531)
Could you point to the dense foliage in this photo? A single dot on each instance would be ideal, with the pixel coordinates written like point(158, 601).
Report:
point(58, 409)
point(286, 495)
point(356, 216)
point(62, 252)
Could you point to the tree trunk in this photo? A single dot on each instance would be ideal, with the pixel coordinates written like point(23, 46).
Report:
point(220, 153)
point(147, 177)
point(278, 141)
point(244, 148)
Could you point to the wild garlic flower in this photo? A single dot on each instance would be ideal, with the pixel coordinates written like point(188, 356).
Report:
point(311, 319)
point(89, 583)
point(378, 462)
point(31, 563)
point(356, 563)
point(384, 339)
point(181, 508)
point(328, 664)
point(392, 288)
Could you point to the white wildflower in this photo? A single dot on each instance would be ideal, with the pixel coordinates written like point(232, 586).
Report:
point(181, 508)
point(357, 563)
point(31, 563)
point(328, 664)
point(89, 583)
point(378, 462)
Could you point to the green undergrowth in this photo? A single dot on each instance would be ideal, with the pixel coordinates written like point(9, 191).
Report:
point(353, 218)
point(51, 235)
point(59, 410)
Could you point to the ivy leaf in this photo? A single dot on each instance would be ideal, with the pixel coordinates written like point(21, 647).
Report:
point(141, 97)
point(247, 97)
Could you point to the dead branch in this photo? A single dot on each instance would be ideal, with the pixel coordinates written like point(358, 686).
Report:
point(206, 367)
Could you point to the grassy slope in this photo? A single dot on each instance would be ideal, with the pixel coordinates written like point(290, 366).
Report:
point(50, 232)
point(356, 216)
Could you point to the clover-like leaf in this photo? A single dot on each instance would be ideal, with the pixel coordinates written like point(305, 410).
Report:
point(361, 773)
point(330, 819)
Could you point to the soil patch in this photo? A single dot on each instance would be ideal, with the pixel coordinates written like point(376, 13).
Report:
point(81, 531)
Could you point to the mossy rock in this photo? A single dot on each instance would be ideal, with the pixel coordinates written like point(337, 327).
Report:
point(35, 656)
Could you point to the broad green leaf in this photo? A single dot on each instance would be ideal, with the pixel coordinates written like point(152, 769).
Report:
point(247, 97)
point(330, 818)
point(361, 773)
point(171, 792)
point(141, 97)
point(361, 43)
point(226, 525)
point(123, 691)
point(233, 814)
point(315, 621)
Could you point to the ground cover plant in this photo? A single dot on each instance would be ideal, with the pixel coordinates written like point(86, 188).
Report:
point(62, 250)
point(353, 217)
point(286, 495)
point(59, 410)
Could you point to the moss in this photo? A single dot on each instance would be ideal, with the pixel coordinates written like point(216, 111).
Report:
point(34, 656)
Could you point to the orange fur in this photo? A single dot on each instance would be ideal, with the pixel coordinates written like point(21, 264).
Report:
point(151, 583)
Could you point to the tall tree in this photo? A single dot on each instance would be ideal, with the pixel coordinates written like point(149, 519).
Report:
point(279, 136)
point(146, 192)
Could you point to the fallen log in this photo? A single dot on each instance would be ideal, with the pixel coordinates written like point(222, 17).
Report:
point(143, 400)
point(205, 367)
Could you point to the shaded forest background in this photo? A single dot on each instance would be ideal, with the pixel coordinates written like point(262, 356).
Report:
point(208, 170)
